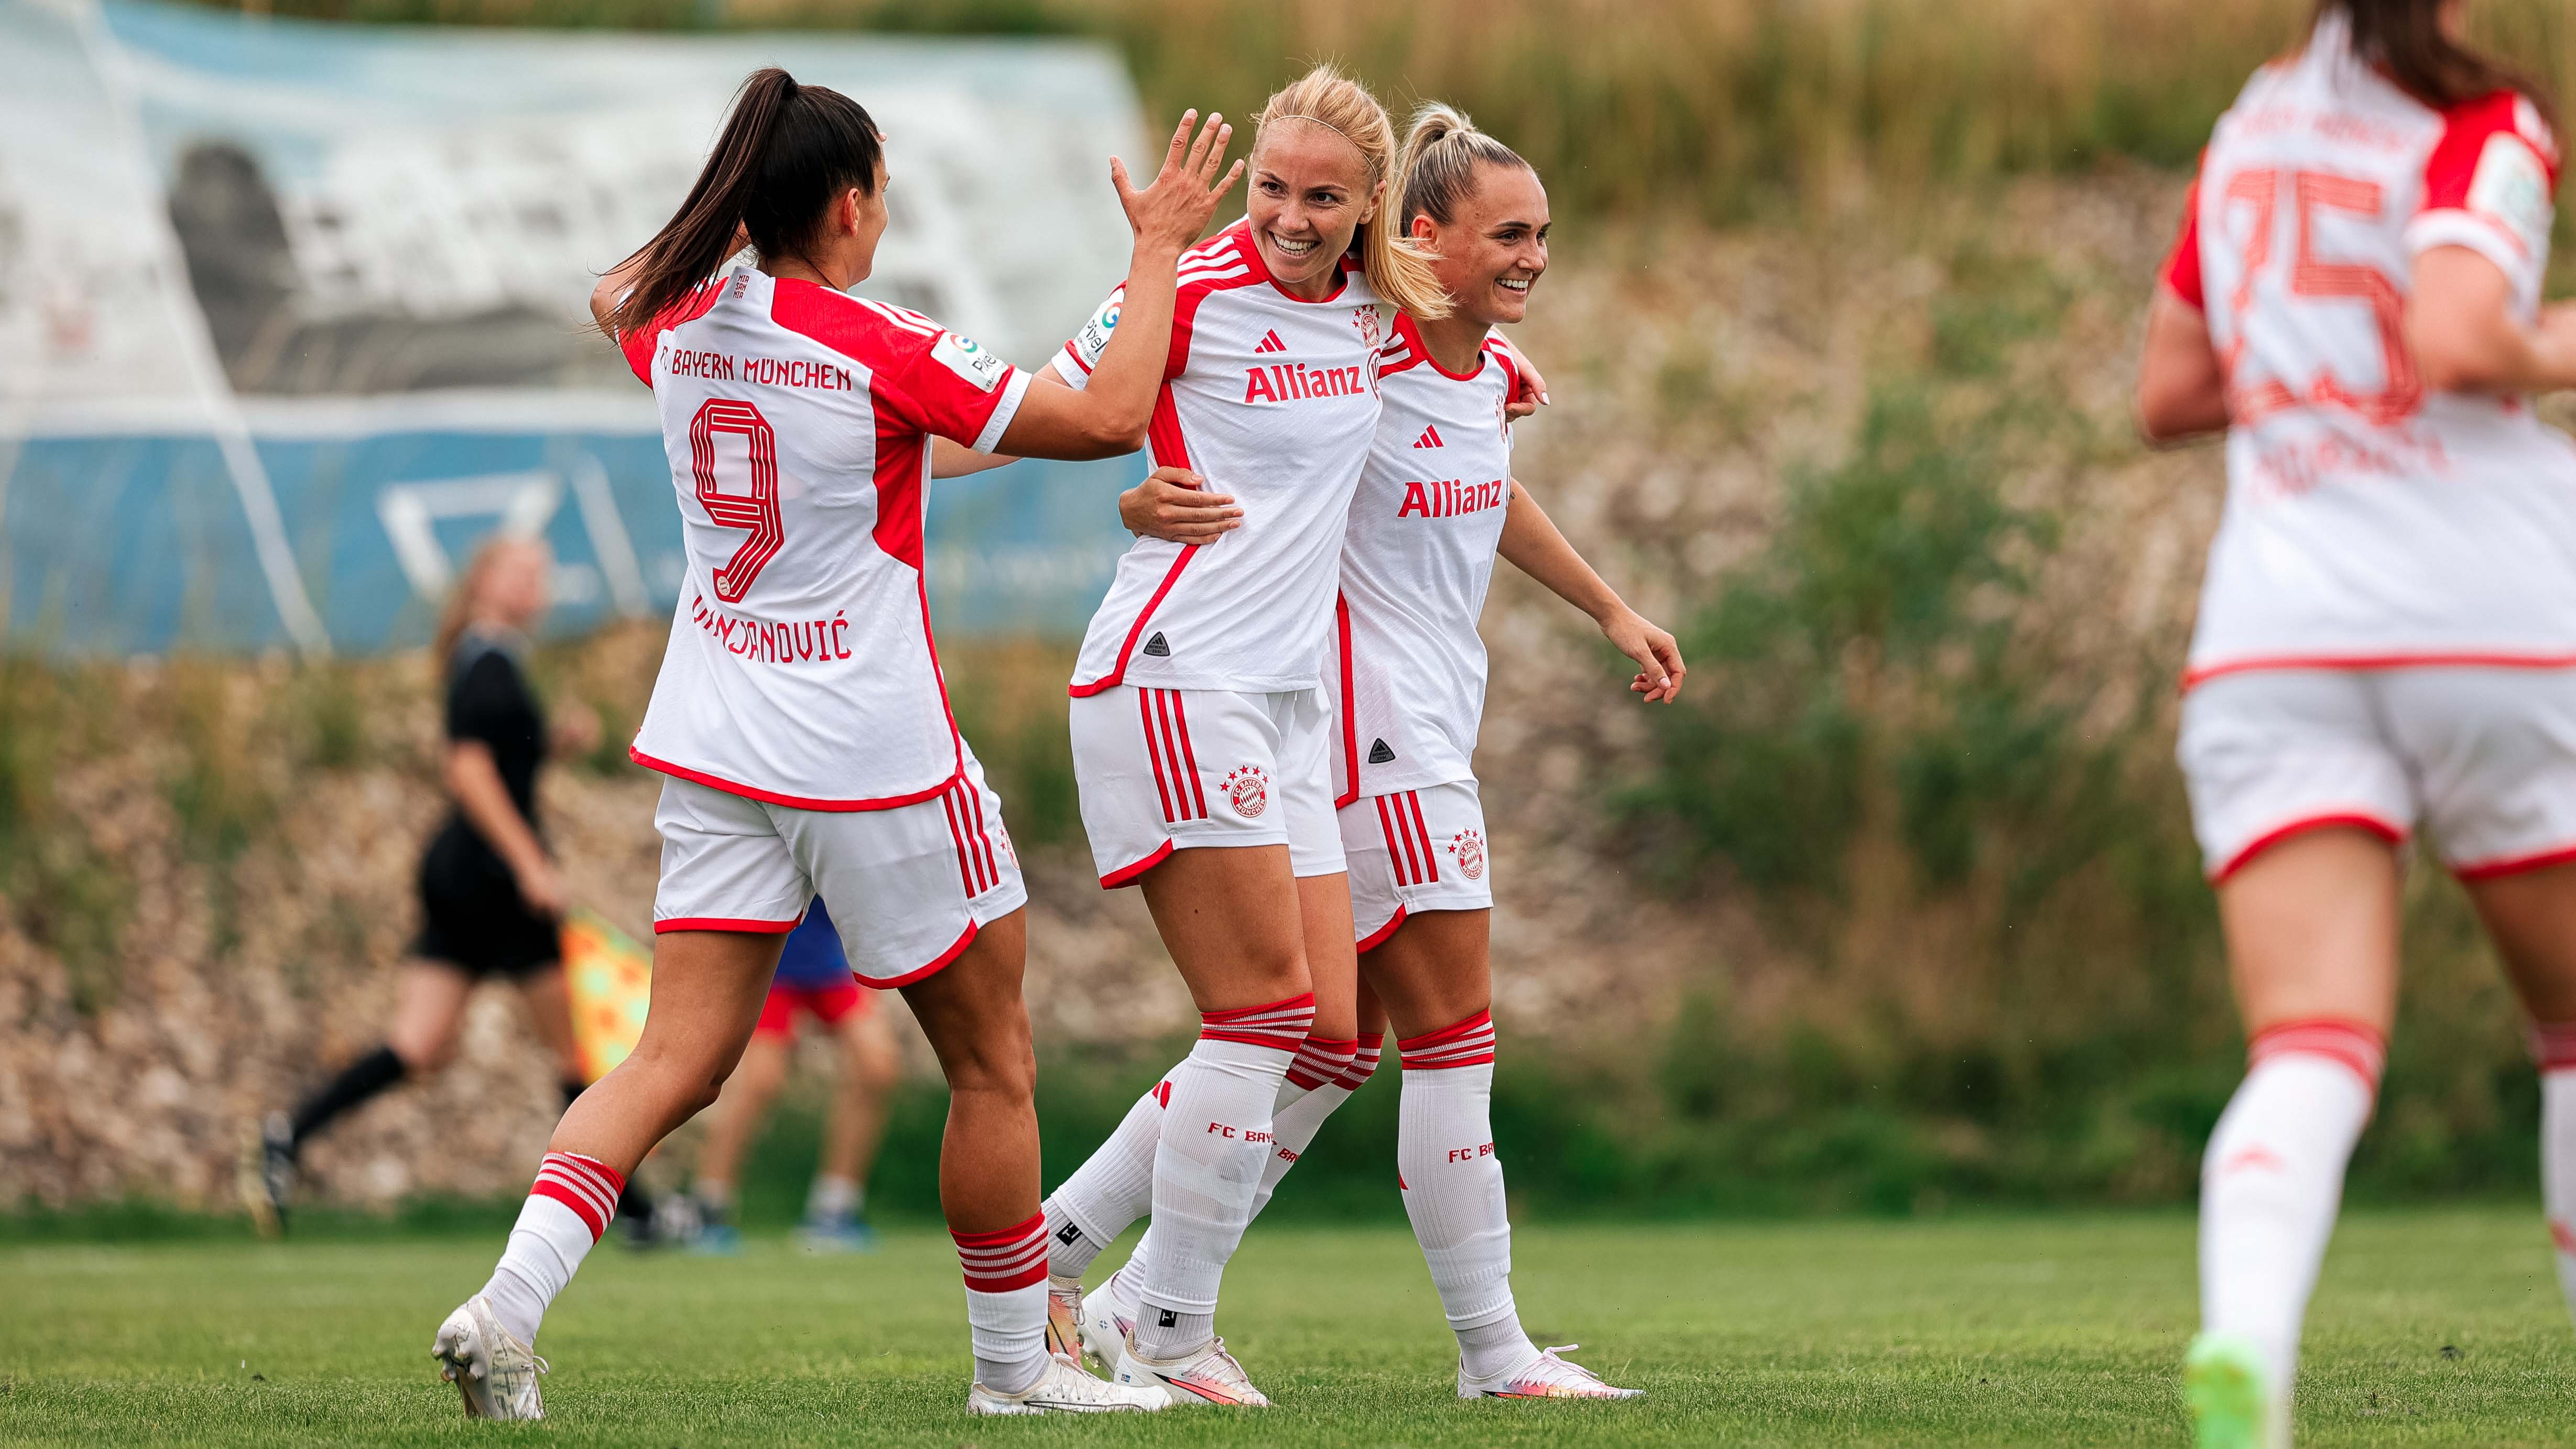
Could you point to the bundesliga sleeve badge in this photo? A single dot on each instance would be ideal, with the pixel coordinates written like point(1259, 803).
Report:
point(961, 356)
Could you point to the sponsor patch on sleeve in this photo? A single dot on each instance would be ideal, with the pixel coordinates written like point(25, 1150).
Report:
point(961, 356)
point(2511, 188)
point(1093, 339)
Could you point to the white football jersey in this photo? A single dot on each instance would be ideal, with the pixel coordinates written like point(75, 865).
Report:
point(798, 420)
point(2370, 521)
point(1416, 561)
point(1273, 400)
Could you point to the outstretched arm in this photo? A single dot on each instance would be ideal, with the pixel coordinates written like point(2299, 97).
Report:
point(1532, 544)
point(1107, 416)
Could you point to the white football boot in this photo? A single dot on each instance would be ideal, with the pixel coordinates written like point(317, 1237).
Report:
point(1065, 1389)
point(1544, 1377)
point(1105, 1323)
point(493, 1372)
point(1210, 1376)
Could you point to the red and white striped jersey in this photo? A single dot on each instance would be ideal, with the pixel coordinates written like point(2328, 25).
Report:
point(2370, 521)
point(798, 420)
point(1271, 399)
point(1416, 561)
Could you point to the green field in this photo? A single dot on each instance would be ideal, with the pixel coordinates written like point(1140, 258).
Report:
point(2432, 1327)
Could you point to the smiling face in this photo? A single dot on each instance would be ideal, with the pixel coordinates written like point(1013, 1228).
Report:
point(1310, 195)
point(1492, 250)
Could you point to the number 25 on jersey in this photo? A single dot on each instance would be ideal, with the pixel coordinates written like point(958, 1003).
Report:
point(2257, 194)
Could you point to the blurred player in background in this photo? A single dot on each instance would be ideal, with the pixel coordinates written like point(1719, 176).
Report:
point(813, 980)
point(801, 715)
point(491, 902)
point(2387, 629)
point(1435, 505)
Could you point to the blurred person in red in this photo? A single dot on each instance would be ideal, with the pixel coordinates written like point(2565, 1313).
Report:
point(491, 900)
point(813, 980)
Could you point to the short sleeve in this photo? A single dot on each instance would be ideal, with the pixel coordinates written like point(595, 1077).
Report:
point(489, 704)
point(2491, 185)
point(638, 346)
point(1082, 353)
point(949, 386)
point(2181, 270)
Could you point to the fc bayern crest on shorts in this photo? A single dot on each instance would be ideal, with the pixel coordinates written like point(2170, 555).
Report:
point(1247, 788)
point(1469, 847)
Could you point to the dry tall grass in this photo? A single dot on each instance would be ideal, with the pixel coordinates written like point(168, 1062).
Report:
point(1713, 106)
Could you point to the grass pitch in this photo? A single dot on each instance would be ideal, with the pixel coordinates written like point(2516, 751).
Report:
point(2431, 1328)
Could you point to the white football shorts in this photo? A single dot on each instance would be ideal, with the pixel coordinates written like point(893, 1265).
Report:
point(908, 887)
point(1415, 850)
point(1161, 770)
point(2485, 758)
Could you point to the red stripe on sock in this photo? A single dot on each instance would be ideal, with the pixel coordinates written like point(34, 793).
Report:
point(1363, 1062)
point(1282, 1025)
point(1462, 1044)
point(1004, 1261)
point(2346, 1043)
point(586, 1185)
point(2553, 1045)
point(1320, 1060)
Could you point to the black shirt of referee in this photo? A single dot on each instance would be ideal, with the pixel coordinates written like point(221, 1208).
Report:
point(474, 917)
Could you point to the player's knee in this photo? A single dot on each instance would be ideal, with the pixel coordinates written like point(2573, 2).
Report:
point(1002, 1063)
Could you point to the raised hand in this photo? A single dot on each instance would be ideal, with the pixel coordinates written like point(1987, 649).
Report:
point(1173, 504)
point(1531, 391)
point(1176, 208)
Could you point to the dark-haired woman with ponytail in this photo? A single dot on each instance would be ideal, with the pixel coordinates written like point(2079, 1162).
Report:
point(800, 714)
point(2387, 630)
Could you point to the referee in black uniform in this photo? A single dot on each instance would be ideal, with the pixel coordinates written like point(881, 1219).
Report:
point(491, 901)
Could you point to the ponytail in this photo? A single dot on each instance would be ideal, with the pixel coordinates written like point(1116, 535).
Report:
point(2405, 37)
point(1396, 270)
point(786, 151)
point(1442, 150)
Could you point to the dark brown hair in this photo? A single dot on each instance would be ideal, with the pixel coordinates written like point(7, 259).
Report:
point(786, 151)
point(2405, 38)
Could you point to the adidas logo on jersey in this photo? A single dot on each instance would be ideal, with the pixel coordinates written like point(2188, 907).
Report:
point(1379, 754)
point(1270, 342)
point(1157, 648)
point(1430, 438)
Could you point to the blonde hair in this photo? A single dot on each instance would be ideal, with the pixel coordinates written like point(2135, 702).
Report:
point(1396, 270)
point(465, 597)
point(1442, 150)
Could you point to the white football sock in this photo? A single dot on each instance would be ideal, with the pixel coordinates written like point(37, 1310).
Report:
point(1314, 1088)
point(2555, 1046)
point(1331, 1072)
point(1216, 1137)
point(2272, 1181)
point(567, 1209)
point(1112, 1189)
point(1006, 1310)
point(1453, 1190)
point(834, 1197)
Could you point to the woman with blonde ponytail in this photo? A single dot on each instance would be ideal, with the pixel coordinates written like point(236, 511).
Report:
point(1436, 503)
point(1202, 734)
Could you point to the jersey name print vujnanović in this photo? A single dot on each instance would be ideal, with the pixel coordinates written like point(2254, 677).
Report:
point(1416, 561)
point(798, 420)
